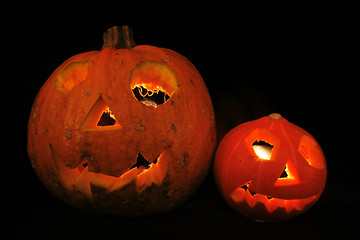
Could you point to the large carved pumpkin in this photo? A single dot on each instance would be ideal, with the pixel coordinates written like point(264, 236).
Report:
point(270, 169)
point(126, 130)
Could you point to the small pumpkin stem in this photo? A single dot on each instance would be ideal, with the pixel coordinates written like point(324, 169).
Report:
point(275, 116)
point(119, 38)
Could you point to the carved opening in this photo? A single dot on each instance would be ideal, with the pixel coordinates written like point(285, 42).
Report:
point(100, 117)
point(284, 174)
point(150, 98)
point(107, 119)
point(143, 163)
point(152, 83)
point(263, 149)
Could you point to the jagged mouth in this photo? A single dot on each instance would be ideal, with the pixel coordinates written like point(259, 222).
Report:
point(142, 164)
point(242, 194)
point(142, 174)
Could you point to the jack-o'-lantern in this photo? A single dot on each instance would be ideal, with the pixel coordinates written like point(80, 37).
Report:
point(270, 169)
point(127, 130)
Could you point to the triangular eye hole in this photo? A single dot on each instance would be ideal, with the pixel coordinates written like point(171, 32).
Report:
point(100, 117)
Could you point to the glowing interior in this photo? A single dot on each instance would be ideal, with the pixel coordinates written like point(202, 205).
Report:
point(263, 149)
point(100, 117)
point(152, 83)
point(291, 176)
point(71, 76)
point(150, 98)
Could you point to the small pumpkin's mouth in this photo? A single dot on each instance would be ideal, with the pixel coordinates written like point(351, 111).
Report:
point(246, 188)
point(243, 195)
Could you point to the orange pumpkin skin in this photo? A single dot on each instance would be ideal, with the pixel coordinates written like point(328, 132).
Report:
point(180, 133)
point(254, 186)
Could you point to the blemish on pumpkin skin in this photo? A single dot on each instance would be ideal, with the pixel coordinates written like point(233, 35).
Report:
point(139, 127)
point(68, 133)
point(173, 128)
point(170, 193)
point(88, 94)
point(183, 161)
point(35, 111)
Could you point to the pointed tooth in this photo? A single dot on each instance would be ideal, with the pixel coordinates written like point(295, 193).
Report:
point(271, 205)
point(103, 181)
point(238, 195)
point(260, 198)
point(250, 199)
point(82, 182)
point(290, 205)
point(124, 179)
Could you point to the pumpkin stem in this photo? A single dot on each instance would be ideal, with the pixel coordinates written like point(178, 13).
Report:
point(275, 116)
point(119, 38)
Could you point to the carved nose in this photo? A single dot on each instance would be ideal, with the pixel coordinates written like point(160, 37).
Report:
point(100, 117)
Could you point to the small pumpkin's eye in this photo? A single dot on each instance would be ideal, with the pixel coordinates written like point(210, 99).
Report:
point(152, 83)
point(71, 76)
point(310, 151)
point(263, 149)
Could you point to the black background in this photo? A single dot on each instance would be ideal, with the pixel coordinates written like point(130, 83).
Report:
point(296, 61)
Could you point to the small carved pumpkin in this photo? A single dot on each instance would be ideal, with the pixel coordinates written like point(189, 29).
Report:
point(126, 130)
point(270, 169)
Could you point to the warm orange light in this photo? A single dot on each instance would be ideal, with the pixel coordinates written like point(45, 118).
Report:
point(240, 195)
point(80, 178)
point(263, 151)
point(270, 169)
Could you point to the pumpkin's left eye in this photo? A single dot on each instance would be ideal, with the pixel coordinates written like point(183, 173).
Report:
point(152, 83)
point(71, 76)
point(263, 149)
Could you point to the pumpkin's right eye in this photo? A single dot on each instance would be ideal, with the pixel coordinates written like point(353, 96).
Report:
point(152, 83)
